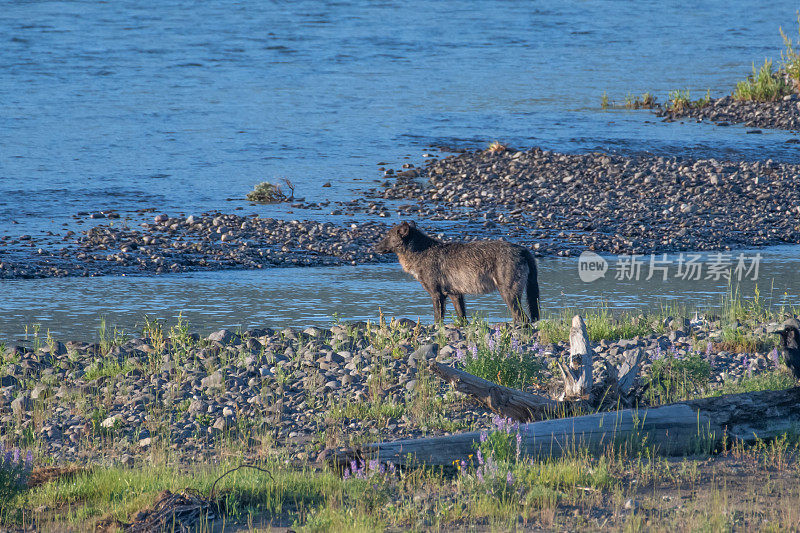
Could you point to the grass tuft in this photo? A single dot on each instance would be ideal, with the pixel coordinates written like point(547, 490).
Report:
point(646, 101)
point(680, 100)
point(791, 57)
point(763, 85)
point(497, 147)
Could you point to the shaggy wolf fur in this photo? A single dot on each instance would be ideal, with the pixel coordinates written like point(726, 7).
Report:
point(451, 270)
point(790, 342)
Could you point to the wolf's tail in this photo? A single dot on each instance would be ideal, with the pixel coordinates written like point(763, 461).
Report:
point(532, 288)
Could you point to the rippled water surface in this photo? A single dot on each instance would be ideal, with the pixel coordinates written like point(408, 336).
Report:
point(178, 106)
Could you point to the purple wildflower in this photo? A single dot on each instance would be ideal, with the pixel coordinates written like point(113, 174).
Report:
point(484, 436)
point(658, 355)
point(391, 467)
point(459, 355)
point(480, 457)
point(491, 343)
point(519, 445)
point(474, 350)
point(709, 347)
point(509, 478)
point(373, 465)
point(346, 474)
point(773, 355)
point(479, 474)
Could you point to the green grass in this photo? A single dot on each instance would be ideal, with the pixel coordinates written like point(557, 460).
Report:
point(601, 324)
point(109, 367)
point(378, 410)
point(673, 379)
point(681, 100)
point(646, 101)
point(763, 85)
point(775, 380)
point(790, 57)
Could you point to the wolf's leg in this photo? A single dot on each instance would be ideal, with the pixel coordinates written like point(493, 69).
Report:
point(458, 303)
point(438, 306)
point(513, 299)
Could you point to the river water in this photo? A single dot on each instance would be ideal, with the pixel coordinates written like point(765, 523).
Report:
point(179, 106)
point(73, 307)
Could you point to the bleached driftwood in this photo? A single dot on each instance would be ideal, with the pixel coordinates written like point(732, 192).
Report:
point(676, 429)
point(577, 375)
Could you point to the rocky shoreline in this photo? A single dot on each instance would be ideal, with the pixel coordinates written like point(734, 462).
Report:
point(305, 392)
point(210, 242)
point(783, 114)
point(602, 202)
point(556, 204)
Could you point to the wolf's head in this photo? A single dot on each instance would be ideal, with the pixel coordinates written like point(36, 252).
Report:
point(397, 238)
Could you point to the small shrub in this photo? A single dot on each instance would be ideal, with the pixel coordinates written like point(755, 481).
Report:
point(268, 193)
point(497, 147)
point(604, 104)
point(763, 86)
point(14, 472)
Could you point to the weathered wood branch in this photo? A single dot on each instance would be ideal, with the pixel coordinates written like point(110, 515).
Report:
point(676, 429)
point(505, 401)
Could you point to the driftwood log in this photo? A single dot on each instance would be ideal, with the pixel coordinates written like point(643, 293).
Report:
point(681, 428)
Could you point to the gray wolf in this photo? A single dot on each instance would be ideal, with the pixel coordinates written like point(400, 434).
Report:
point(453, 269)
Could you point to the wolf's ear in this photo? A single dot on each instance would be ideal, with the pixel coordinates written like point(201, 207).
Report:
point(412, 224)
point(404, 229)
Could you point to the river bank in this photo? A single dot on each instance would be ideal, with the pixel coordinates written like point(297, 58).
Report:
point(289, 398)
point(284, 384)
point(783, 114)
